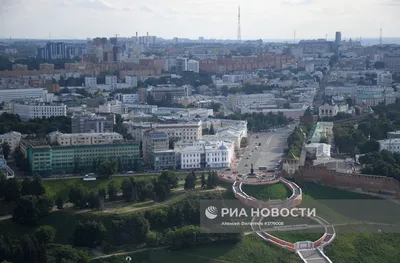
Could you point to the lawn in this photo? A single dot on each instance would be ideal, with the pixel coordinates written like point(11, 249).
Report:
point(266, 192)
point(250, 249)
point(62, 186)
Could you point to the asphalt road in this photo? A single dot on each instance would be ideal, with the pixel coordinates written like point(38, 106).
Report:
point(268, 153)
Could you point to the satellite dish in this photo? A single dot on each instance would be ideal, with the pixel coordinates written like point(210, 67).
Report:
point(128, 258)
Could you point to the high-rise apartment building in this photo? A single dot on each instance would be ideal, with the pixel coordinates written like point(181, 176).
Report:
point(153, 141)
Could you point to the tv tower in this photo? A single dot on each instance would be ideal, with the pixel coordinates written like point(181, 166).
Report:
point(239, 35)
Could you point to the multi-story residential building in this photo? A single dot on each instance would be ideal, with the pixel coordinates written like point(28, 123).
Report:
point(375, 99)
point(193, 65)
point(115, 106)
point(11, 138)
point(127, 98)
point(384, 78)
point(90, 81)
point(191, 131)
point(132, 81)
point(110, 80)
point(206, 155)
point(47, 160)
point(84, 123)
point(165, 160)
point(74, 139)
point(160, 91)
point(252, 99)
point(181, 65)
point(153, 141)
point(39, 110)
point(16, 94)
point(332, 109)
point(392, 145)
point(392, 63)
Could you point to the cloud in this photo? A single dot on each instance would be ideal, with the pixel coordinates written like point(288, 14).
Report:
point(147, 9)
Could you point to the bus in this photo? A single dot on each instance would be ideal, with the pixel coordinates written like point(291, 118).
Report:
point(262, 168)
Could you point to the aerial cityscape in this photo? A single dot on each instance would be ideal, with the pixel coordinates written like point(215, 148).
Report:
point(199, 131)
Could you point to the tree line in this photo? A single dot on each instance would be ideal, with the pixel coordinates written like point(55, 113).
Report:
point(35, 248)
point(40, 127)
point(257, 122)
point(384, 163)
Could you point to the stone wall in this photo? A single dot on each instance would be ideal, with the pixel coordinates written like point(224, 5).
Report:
point(326, 177)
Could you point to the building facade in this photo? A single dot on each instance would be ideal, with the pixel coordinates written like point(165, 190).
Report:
point(193, 65)
point(83, 123)
point(74, 139)
point(331, 110)
point(127, 98)
point(153, 141)
point(90, 81)
point(392, 145)
point(47, 160)
point(15, 94)
point(110, 80)
point(165, 160)
point(132, 81)
point(39, 110)
point(11, 138)
point(178, 131)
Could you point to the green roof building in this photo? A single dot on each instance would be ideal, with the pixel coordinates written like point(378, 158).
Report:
point(47, 160)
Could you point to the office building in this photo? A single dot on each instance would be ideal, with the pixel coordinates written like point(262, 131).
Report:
point(84, 123)
point(338, 38)
point(11, 138)
point(16, 94)
point(74, 139)
point(27, 111)
point(160, 91)
point(191, 131)
point(153, 141)
point(127, 98)
point(165, 160)
point(206, 155)
point(47, 160)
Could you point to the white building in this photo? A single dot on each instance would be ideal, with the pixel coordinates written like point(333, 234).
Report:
point(384, 78)
point(110, 80)
point(319, 150)
point(193, 65)
point(14, 94)
point(392, 145)
point(252, 99)
point(131, 80)
point(90, 81)
point(127, 98)
point(115, 106)
point(183, 131)
point(39, 110)
point(206, 155)
point(69, 139)
point(11, 138)
point(181, 65)
point(331, 110)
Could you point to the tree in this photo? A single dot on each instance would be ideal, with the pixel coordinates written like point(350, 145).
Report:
point(6, 248)
point(112, 191)
point(203, 181)
point(3, 180)
point(152, 239)
point(102, 193)
point(6, 149)
point(30, 248)
point(93, 199)
point(161, 189)
point(244, 142)
point(89, 234)
point(26, 211)
point(107, 168)
point(45, 234)
point(190, 181)
point(12, 189)
point(60, 202)
point(77, 195)
point(37, 185)
point(131, 230)
point(68, 254)
point(324, 140)
point(170, 177)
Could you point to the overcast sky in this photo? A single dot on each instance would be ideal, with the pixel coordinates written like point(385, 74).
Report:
point(265, 19)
